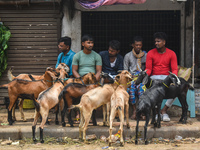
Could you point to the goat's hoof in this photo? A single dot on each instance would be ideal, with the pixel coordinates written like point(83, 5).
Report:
point(63, 124)
point(34, 140)
point(128, 126)
point(121, 143)
point(95, 124)
point(72, 125)
point(146, 142)
point(57, 122)
point(42, 141)
point(109, 143)
point(85, 141)
point(184, 122)
point(104, 124)
point(155, 125)
point(136, 142)
point(47, 123)
point(10, 122)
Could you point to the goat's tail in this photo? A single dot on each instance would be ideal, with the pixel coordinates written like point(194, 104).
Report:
point(190, 87)
point(75, 106)
point(60, 95)
point(4, 86)
point(37, 105)
point(10, 75)
point(140, 107)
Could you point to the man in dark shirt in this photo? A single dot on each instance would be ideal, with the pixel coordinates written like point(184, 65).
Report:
point(112, 61)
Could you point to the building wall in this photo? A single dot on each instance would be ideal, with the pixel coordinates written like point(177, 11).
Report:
point(73, 27)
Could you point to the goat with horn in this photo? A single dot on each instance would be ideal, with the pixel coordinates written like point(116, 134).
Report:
point(149, 99)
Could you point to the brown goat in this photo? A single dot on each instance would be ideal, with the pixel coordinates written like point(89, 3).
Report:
point(72, 94)
point(30, 77)
point(88, 78)
point(24, 88)
point(46, 100)
point(97, 97)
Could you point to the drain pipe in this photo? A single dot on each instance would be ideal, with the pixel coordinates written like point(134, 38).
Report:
point(193, 42)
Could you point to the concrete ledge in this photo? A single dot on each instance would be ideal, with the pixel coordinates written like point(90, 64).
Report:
point(19, 131)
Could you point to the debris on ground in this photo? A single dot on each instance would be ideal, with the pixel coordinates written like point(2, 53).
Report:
point(91, 137)
point(103, 138)
point(6, 142)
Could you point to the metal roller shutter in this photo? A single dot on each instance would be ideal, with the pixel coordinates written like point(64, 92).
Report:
point(35, 31)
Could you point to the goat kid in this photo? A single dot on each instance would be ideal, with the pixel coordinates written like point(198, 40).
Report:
point(97, 97)
point(30, 77)
point(149, 99)
point(119, 99)
point(71, 94)
point(171, 92)
point(24, 88)
point(46, 100)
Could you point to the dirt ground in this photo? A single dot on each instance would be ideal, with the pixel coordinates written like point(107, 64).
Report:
point(99, 145)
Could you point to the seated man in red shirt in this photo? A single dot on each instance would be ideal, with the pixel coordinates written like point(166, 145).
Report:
point(159, 62)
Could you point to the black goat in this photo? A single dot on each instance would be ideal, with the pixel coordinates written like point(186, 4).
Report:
point(148, 100)
point(172, 92)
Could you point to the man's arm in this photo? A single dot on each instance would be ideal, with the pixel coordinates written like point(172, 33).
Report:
point(121, 65)
point(174, 65)
point(126, 62)
point(98, 72)
point(148, 64)
point(75, 71)
point(58, 60)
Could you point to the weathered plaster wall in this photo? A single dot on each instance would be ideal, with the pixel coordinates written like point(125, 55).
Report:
point(72, 28)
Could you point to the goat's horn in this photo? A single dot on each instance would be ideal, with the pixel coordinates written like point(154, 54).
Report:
point(119, 71)
point(145, 70)
point(178, 81)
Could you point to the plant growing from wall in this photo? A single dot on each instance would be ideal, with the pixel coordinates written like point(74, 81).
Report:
point(4, 37)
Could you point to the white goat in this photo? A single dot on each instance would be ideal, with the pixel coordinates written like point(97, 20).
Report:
point(118, 99)
point(97, 97)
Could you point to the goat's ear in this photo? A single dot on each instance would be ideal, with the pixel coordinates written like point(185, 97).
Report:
point(49, 69)
point(129, 76)
point(117, 77)
point(145, 80)
point(67, 75)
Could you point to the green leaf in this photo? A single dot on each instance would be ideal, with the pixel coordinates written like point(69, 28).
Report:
point(4, 37)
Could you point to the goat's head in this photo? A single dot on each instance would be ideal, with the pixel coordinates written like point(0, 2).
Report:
point(106, 78)
point(142, 78)
point(123, 75)
point(174, 78)
point(91, 78)
point(50, 69)
point(59, 71)
point(64, 66)
point(62, 73)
